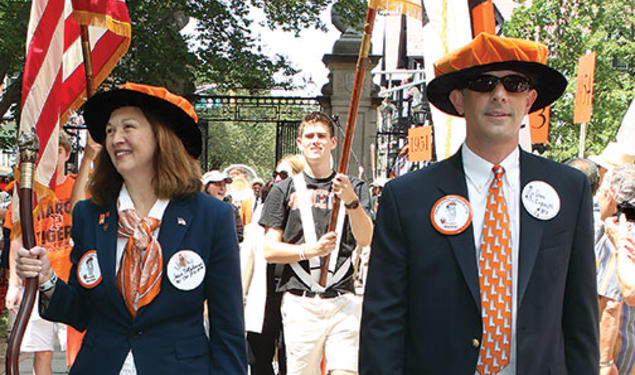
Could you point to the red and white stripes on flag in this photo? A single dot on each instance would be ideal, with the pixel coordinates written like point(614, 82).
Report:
point(42, 82)
point(54, 81)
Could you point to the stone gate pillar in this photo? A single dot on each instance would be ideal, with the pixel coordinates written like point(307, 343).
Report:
point(337, 95)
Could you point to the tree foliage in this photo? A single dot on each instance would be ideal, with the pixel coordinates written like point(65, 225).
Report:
point(223, 52)
point(570, 29)
point(251, 143)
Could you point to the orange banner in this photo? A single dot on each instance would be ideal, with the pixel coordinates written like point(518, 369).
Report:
point(420, 141)
point(539, 125)
point(584, 89)
point(482, 15)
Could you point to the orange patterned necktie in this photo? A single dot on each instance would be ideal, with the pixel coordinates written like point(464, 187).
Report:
point(495, 281)
point(139, 276)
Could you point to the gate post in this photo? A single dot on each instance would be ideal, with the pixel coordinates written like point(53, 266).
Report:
point(337, 95)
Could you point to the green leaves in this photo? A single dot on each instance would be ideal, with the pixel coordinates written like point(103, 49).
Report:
point(570, 28)
point(223, 51)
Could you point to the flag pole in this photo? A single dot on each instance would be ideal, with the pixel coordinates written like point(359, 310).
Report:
point(28, 147)
point(88, 60)
point(360, 71)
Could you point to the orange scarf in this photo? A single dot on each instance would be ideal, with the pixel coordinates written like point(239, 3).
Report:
point(139, 276)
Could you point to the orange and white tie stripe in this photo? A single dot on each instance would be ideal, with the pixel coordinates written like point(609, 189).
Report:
point(139, 276)
point(495, 280)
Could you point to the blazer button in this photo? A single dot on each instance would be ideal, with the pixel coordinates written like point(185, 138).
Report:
point(475, 343)
point(134, 334)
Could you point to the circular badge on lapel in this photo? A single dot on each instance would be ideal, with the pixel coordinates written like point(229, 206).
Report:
point(88, 271)
point(186, 270)
point(451, 214)
point(541, 200)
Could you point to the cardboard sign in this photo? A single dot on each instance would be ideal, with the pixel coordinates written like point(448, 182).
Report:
point(584, 89)
point(420, 141)
point(539, 125)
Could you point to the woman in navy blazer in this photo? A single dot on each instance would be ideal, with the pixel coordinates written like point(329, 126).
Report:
point(149, 248)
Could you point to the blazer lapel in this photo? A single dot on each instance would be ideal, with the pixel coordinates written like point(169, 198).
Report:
point(107, 254)
point(176, 220)
point(530, 228)
point(453, 182)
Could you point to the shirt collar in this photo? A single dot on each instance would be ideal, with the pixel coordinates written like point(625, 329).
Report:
point(479, 170)
point(125, 203)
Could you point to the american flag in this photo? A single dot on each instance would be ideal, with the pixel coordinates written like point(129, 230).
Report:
point(54, 82)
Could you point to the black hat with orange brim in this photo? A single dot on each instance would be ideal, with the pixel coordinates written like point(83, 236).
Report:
point(175, 111)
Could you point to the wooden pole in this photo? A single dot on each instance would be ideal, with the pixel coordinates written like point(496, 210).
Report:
point(88, 61)
point(360, 71)
point(29, 146)
point(582, 140)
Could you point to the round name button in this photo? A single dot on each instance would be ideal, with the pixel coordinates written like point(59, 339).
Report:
point(88, 271)
point(451, 214)
point(541, 200)
point(186, 270)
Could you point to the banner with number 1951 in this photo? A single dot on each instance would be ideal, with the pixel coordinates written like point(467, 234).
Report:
point(420, 143)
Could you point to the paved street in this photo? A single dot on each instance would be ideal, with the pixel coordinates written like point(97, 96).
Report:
point(26, 364)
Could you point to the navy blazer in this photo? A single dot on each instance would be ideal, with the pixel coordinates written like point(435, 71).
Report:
point(421, 312)
point(167, 336)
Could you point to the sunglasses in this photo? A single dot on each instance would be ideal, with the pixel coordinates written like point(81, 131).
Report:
point(282, 174)
point(487, 82)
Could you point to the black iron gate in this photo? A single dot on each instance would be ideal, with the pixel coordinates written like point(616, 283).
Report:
point(285, 112)
point(286, 134)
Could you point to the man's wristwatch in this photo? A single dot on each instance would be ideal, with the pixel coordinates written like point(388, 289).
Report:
point(353, 205)
point(606, 363)
point(49, 284)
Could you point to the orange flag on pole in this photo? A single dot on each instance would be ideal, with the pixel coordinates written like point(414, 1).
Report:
point(482, 17)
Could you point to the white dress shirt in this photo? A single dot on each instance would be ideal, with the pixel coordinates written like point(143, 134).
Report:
point(157, 211)
point(479, 176)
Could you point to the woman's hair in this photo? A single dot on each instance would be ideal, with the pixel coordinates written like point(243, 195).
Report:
point(177, 173)
point(296, 162)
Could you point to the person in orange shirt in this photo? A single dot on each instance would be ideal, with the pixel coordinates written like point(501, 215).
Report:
point(52, 224)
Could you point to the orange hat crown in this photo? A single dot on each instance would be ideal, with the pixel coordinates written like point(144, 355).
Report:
point(488, 49)
point(163, 93)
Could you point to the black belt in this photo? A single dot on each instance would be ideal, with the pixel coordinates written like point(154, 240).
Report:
point(307, 293)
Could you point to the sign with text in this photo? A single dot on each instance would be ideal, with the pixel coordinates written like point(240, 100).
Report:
point(584, 89)
point(539, 125)
point(420, 141)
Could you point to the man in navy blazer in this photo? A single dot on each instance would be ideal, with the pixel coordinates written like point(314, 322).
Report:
point(423, 310)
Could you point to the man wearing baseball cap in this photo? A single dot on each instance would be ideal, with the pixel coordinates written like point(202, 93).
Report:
point(502, 283)
point(215, 184)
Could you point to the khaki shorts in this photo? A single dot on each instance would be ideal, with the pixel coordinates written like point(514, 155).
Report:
point(314, 326)
point(42, 335)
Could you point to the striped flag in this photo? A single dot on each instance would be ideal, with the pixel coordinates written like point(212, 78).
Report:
point(54, 82)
